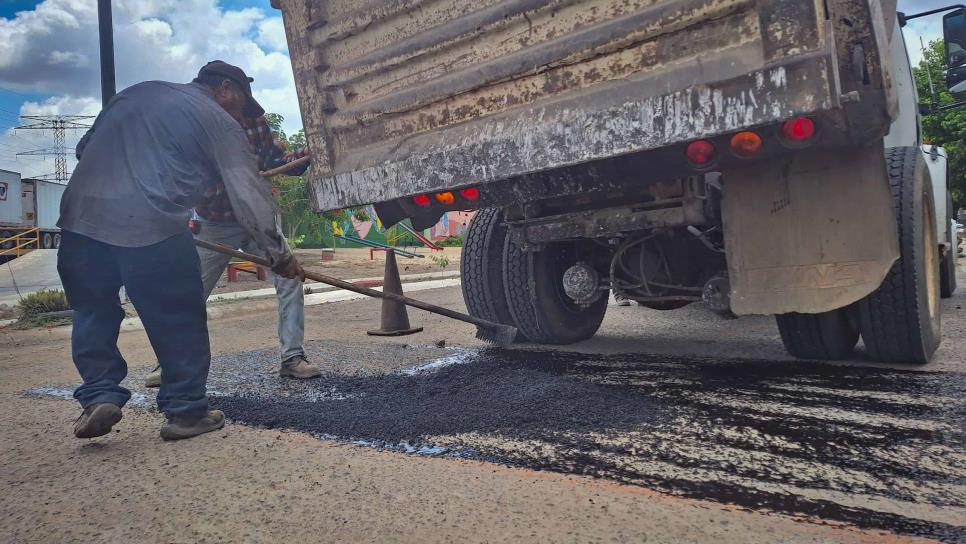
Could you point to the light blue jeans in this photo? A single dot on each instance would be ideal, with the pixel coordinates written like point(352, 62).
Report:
point(291, 297)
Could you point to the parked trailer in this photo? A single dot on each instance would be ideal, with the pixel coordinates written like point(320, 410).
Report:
point(728, 152)
point(26, 203)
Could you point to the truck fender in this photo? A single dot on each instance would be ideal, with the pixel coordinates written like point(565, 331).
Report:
point(808, 232)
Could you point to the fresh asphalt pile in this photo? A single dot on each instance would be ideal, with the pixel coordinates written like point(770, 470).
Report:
point(873, 447)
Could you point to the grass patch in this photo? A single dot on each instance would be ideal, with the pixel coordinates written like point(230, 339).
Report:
point(31, 309)
point(451, 241)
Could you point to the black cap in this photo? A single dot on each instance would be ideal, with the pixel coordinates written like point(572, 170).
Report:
point(236, 74)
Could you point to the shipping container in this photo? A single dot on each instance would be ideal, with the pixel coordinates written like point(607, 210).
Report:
point(27, 203)
point(11, 209)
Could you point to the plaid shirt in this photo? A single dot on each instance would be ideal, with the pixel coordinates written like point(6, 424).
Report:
point(215, 205)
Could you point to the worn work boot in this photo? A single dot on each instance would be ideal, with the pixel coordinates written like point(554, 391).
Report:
point(154, 378)
point(299, 368)
point(97, 420)
point(179, 427)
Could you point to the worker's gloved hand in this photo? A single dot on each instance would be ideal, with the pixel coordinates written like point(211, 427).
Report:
point(290, 268)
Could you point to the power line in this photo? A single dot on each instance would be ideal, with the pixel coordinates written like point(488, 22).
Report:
point(59, 125)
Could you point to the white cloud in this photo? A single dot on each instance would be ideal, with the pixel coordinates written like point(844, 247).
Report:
point(26, 140)
point(68, 57)
point(53, 49)
point(271, 34)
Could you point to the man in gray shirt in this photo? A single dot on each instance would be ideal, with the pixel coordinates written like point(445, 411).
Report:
point(144, 164)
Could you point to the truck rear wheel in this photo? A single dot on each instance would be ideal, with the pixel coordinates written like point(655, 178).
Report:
point(481, 267)
point(947, 269)
point(826, 336)
point(541, 309)
point(57, 240)
point(900, 320)
point(47, 240)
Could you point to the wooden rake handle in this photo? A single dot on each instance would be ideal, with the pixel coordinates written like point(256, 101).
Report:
point(342, 284)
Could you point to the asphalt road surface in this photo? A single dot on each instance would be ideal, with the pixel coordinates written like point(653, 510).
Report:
point(682, 403)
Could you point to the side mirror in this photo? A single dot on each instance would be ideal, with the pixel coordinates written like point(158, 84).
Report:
point(954, 35)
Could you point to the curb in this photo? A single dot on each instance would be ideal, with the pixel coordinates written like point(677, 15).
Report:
point(317, 287)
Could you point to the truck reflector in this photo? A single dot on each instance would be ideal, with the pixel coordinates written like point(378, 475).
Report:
point(700, 152)
point(470, 193)
point(422, 201)
point(800, 129)
point(746, 144)
point(446, 198)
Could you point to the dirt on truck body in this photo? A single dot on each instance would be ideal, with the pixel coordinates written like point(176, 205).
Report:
point(408, 97)
point(729, 152)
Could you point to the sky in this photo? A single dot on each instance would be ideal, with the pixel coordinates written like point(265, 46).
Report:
point(49, 62)
point(49, 57)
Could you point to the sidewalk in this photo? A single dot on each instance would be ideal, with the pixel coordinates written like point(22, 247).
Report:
point(28, 273)
point(316, 293)
point(312, 287)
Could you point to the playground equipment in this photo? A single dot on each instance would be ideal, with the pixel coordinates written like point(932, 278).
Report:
point(425, 241)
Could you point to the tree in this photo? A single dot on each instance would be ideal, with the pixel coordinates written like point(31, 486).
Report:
point(275, 123)
point(948, 128)
point(298, 217)
point(297, 140)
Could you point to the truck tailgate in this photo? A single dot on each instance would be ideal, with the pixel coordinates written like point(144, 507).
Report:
point(401, 97)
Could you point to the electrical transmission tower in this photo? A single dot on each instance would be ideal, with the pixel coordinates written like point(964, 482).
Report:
point(59, 125)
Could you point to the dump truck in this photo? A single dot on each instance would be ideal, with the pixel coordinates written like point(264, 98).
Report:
point(755, 156)
point(27, 203)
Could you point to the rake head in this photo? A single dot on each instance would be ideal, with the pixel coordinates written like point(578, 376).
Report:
point(501, 335)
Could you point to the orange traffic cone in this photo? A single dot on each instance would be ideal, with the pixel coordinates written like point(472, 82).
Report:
point(395, 320)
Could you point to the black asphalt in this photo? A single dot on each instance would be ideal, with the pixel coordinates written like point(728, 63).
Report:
point(873, 447)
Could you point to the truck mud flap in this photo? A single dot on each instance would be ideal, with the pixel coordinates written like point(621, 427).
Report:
point(810, 232)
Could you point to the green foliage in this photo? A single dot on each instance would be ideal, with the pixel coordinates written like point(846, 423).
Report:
point(41, 302)
point(441, 261)
point(360, 214)
point(275, 121)
point(451, 241)
point(947, 129)
point(298, 217)
point(297, 140)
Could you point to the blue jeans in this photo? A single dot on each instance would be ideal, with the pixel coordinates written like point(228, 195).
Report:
point(163, 282)
point(290, 293)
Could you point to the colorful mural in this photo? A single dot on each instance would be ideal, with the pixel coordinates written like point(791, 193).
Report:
point(451, 224)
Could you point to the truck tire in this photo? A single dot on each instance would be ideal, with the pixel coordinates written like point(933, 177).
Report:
point(947, 269)
point(47, 241)
point(481, 267)
point(829, 336)
point(57, 240)
point(900, 320)
point(543, 313)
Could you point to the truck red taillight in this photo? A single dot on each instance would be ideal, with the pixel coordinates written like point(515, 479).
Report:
point(470, 193)
point(700, 152)
point(798, 130)
point(423, 201)
point(746, 144)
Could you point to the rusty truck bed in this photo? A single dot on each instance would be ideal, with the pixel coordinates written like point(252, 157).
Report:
point(401, 97)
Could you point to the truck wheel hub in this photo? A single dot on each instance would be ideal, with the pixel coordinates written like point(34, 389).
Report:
point(581, 282)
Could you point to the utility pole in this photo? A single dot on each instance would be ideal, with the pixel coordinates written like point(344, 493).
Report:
point(105, 30)
point(59, 125)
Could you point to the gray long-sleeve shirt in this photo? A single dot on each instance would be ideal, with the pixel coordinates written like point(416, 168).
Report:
point(148, 159)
